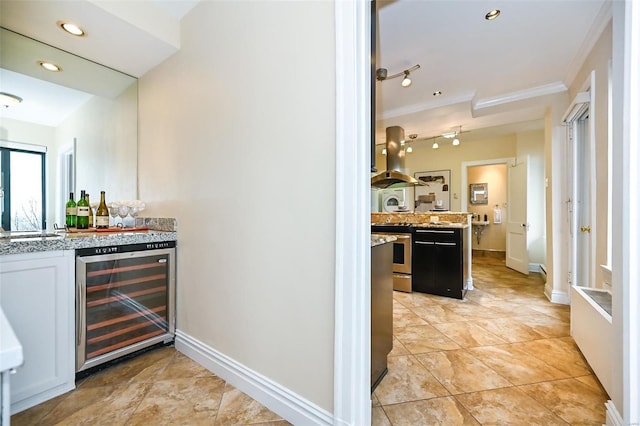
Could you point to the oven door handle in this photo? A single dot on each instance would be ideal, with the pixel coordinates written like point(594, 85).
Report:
point(426, 243)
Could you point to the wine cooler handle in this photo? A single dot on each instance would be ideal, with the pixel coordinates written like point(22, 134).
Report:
point(81, 314)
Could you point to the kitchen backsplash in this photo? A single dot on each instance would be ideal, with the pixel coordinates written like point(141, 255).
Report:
point(158, 223)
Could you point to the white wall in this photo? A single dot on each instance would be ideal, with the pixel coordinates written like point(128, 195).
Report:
point(106, 132)
point(237, 140)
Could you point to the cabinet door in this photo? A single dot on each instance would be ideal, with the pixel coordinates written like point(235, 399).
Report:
point(36, 295)
point(449, 269)
point(423, 267)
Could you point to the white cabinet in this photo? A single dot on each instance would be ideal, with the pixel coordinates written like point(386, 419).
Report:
point(37, 297)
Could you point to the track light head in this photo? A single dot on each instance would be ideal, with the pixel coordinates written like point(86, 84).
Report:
point(406, 81)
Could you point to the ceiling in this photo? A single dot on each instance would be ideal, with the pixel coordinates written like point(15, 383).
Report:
point(496, 74)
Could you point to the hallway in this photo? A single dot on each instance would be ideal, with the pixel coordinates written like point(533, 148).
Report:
point(501, 356)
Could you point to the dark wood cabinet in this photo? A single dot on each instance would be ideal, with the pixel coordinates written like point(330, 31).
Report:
point(439, 261)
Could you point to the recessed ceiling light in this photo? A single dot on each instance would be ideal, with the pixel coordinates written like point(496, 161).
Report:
point(50, 66)
point(491, 15)
point(72, 28)
point(7, 99)
point(437, 93)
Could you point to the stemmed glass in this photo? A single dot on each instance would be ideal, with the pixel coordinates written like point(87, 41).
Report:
point(136, 207)
point(123, 211)
point(113, 211)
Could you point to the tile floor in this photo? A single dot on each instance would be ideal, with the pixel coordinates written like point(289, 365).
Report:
point(501, 356)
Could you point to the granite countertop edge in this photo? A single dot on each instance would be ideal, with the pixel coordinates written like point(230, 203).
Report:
point(380, 239)
point(67, 242)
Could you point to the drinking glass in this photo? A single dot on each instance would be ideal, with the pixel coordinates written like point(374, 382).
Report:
point(123, 211)
point(113, 211)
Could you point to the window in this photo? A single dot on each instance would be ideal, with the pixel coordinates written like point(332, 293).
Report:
point(22, 186)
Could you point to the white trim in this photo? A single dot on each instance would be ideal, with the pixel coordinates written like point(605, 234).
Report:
point(23, 145)
point(352, 339)
point(555, 296)
point(613, 417)
point(535, 267)
point(410, 109)
point(464, 177)
point(272, 395)
point(520, 95)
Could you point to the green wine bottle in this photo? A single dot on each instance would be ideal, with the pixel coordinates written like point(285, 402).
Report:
point(82, 221)
point(71, 212)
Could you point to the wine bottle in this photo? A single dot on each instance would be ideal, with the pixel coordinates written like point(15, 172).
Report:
point(102, 213)
point(86, 197)
point(82, 221)
point(71, 212)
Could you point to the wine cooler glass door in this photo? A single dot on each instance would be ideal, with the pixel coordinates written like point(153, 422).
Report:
point(125, 303)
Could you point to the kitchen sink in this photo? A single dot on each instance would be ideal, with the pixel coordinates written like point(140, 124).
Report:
point(21, 235)
point(480, 222)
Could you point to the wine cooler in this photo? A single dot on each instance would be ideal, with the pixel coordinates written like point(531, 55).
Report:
point(125, 300)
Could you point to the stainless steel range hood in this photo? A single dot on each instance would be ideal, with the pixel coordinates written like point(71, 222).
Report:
point(394, 175)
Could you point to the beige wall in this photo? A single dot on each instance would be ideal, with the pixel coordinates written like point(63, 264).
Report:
point(493, 236)
point(237, 141)
point(448, 157)
point(530, 144)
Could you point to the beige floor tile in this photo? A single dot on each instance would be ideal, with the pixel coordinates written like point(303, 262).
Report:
point(468, 334)
point(434, 314)
point(398, 348)
point(116, 409)
point(379, 417)
point(34, 415)
point(516, 366)
point(180, 401)
point(574, 401)
point(460, 372)
point(508, 406)
point(562, 353)
point(544, 324)
point(444, 411)
point(181, 366)
point(237, 408)
point(403, 317)
point(424, 338)
point(510, 330)
point(142, 369)
point(407, 380)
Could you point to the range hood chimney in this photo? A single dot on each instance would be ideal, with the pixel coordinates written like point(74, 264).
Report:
point(394, 175)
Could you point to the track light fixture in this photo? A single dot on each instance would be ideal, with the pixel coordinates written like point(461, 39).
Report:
point(409, 149)
point(381, 75)
point(456, 141)
point(435, 144)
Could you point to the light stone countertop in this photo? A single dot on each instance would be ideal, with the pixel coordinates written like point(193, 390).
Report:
point(160, 229)
point(380, 239)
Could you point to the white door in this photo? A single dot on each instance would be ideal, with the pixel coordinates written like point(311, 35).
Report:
point(583, 262)
point(517, 255)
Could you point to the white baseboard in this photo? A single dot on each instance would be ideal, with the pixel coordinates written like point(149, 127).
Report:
point(272, 395)
point(613, 417)
point(560, 297)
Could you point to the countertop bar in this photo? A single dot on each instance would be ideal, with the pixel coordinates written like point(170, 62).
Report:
point(160, 229)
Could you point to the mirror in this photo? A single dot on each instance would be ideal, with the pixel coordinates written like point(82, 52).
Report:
point(479, 193)
point(85, 115)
